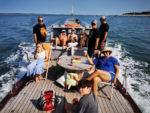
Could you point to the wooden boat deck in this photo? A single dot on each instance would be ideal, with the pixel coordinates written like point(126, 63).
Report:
point(26, 100)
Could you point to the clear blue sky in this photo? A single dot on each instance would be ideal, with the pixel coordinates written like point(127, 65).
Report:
point(99, 7)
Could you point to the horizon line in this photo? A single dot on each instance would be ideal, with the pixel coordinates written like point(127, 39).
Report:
point(50, 14)
point(24, 13)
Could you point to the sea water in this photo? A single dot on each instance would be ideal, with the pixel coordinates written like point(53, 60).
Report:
point(128, 37)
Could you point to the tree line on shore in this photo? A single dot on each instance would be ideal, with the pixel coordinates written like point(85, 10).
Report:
point(138, 13)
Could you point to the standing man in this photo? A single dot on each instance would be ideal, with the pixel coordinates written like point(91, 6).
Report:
point(93, 38)
point(103, 32)
point(39, 31)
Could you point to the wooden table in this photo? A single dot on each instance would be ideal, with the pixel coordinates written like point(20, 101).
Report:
point(65, 62)
point(77, 67)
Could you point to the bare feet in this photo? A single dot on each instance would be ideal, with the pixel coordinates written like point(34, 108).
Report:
point(40, 77)
point(36, 79)
point(55, 47)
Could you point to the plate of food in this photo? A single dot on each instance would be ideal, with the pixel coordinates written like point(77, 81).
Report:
point(77, 59)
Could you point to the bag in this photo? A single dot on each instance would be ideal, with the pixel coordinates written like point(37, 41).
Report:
point(47, 100)
point(70, 79)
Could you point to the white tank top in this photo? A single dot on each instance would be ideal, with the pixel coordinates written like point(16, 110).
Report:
point(41, 55)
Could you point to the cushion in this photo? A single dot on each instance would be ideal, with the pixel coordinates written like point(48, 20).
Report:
point(61, 80)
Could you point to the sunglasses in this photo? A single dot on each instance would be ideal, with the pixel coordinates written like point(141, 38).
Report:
point(106, 52)
point(40, 20)
point(38, 46)
point(93, 24)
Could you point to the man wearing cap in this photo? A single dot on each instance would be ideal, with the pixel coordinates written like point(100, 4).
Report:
point(107, 69)
point(39, 31)
point(103, 32)
point(93, 38)
point(62, 39)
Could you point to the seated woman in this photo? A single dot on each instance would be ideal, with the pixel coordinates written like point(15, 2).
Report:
point(107, 69)
point(62, 39)
point(82, 40)
point(36, 68)
point(72, 37)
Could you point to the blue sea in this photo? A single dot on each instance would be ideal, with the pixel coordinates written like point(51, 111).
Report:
point(128, 37)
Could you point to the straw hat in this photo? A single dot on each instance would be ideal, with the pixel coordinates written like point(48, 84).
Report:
point(63, 30)
point(107, 49)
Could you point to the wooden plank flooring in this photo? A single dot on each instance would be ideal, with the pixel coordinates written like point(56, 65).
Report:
point(26, 100)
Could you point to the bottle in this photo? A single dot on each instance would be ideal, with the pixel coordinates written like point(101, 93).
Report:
point(42, 94)
point(58, 60)
point(71, 61)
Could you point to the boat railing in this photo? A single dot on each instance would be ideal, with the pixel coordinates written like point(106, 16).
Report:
point(27, 57)
point(13, 77)
point(125, 80)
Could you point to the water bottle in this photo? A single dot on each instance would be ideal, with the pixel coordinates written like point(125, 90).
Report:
point(42, 94)
point(72, 51)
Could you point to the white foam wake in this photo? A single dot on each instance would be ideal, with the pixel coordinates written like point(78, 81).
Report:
point(18, 62)
point(137, 80)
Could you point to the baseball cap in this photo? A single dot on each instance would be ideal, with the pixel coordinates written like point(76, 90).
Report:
point(94, 22)
point(103, 18)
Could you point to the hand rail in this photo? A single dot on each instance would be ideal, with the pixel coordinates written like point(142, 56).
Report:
point(27, 57)
point(125, 79)
point(13, 77)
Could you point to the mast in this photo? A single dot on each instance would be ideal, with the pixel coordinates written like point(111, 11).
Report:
point(72, 10)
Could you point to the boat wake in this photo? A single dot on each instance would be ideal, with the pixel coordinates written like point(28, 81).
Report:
point(18, 62)
point(137, 79)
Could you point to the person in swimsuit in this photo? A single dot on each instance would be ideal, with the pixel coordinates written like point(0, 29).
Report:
point(36, 68)
point(82, 40)
point(107, 69)
point(62, 39)
point(72, 37)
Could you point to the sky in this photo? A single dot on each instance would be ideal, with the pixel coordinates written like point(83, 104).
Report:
point(92, 7)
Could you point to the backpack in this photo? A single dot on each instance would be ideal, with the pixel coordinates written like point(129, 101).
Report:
point(47, 100)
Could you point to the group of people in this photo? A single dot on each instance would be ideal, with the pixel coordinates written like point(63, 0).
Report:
point(63, 39)
point(95, 40)
point(106, 70)
point(106, 66)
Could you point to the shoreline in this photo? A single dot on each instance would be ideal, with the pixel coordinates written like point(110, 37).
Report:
point(135, 15)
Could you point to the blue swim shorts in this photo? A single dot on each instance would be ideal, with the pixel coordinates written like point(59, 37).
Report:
point(112, 76)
